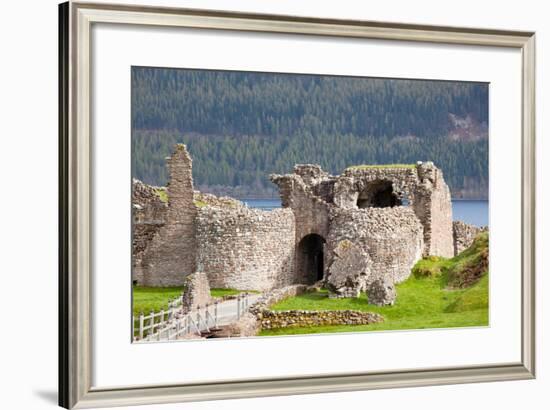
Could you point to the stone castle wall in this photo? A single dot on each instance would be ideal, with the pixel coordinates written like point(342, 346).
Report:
point(247, 249)
point(392, 237)
point(390, 216)
point(148, 214)
point(299, 192)
point(464, 235)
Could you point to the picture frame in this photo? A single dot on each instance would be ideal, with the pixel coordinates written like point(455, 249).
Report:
point(75, 205)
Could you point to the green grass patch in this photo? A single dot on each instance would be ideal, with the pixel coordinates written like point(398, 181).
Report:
point(424, 301)
point(471, 265)
point(374, 166)
point(147, 298)
point(474, 298)
point(430, 267)
point(162, 194)
point(220, 292)
point(200, 204)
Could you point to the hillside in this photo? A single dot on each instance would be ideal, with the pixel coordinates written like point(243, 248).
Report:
point(239, 126)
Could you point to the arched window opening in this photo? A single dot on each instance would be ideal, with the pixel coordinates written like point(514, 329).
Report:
point(379, 194)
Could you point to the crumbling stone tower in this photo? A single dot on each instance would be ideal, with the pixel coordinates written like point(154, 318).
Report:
point(171, 255)
point(390, 216)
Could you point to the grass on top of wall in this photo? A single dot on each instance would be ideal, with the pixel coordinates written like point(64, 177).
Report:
point(162, 193)
point(424, 300)
point(375, 166)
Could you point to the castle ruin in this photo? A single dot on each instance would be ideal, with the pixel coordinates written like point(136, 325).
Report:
point(365, 227)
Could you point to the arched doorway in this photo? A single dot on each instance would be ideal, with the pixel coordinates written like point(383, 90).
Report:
point(310, 261)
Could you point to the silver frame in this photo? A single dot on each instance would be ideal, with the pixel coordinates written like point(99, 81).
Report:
point(75, 353)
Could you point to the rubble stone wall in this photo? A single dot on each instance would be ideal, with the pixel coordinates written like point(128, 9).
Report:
point(392, 237)
point(300, 318)
point(464, 235)
point(246, 249)
point(148, 214)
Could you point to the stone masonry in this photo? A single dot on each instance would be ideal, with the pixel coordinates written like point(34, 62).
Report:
point(196, 292)
point(464, 235)
point(349, 271)
point(368, 225)
point(247, 249)
point(300, 318)
point(148, 214)
point(382, 292)
point(395, 214)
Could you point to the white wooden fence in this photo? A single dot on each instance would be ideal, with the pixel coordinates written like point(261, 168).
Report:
point(175, 323)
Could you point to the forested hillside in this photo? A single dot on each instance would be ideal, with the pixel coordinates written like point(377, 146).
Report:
point(239, 127)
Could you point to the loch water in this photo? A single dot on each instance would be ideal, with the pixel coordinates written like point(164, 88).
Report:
point(475, 212)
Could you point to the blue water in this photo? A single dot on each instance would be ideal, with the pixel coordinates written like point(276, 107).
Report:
point(469, 211)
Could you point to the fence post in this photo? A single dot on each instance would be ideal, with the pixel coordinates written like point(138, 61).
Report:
point(152, 322)
point(161, 318)
point(199, 318)
point(141, 322)
point(216, 314)
point(238, 307)
point(206, 314)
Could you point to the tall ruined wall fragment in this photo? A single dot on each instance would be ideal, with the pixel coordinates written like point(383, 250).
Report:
point(247, 249)
point(171, 254)
point(299, 191)
point(434, 209)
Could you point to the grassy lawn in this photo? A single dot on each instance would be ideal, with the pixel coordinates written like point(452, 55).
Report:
point(424, 300)
point(422, 303)
point(152, 298)
point(155, 298)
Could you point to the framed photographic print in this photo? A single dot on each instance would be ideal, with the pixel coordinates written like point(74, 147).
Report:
point(294, 202)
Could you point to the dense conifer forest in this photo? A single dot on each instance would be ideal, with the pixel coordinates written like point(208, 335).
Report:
point(240, 127)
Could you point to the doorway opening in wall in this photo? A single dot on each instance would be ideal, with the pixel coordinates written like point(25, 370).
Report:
point(311, 258)
point(378, 194)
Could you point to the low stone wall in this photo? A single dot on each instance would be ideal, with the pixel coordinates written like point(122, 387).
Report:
point(301, 318)
point(464, 235)
point(247, 249)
